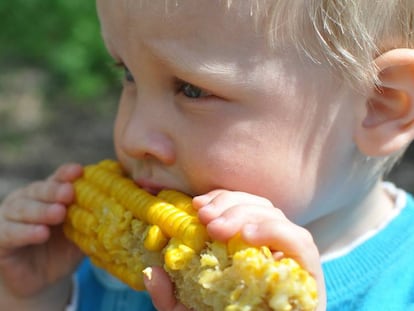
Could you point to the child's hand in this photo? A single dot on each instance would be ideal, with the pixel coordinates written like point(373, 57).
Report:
point(34, 252)
point(226, 213)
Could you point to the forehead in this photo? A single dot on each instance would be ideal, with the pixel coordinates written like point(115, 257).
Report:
point(201, 22)
point(173, 11)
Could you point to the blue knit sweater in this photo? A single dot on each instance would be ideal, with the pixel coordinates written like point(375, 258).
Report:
point(376, 275)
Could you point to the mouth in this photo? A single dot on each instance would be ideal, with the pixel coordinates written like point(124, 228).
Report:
point(149, 186)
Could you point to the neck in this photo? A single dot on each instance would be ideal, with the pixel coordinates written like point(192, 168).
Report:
point(349, 223)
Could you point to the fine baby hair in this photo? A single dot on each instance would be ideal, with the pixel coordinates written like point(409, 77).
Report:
point(346, 33)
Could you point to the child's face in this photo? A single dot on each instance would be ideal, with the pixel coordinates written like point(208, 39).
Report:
point(208, 105)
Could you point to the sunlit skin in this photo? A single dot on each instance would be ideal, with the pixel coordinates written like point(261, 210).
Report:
point(208, 106)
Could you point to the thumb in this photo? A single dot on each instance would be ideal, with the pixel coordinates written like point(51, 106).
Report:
point(161, 290)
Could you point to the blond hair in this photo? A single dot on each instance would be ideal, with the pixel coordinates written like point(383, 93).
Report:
point(352, 33)
point(345, 34)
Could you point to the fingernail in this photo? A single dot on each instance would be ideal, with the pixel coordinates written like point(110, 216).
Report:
point(147, 272)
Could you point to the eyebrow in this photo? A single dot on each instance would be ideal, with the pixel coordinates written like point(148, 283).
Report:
point(185, 63)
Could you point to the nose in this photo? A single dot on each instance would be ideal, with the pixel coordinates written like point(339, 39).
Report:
point(144, 135)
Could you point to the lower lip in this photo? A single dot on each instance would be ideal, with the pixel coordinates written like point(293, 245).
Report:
point(151, 190)
point(154, 190)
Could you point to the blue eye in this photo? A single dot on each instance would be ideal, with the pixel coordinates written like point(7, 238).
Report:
point(192, 91)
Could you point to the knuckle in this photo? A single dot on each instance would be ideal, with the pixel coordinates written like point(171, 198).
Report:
point(12, 196)
point(279, 214)
point(8, 207)
point(262, 201)
point(306, 237)
point(43, 190)
point(33, 188)
point(223, 196)
point(58, 172)
point(267, 202)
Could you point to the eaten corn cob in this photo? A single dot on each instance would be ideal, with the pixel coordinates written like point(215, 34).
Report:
point(124, 229)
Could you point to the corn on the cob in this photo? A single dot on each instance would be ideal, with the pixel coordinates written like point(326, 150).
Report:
point(125, 229)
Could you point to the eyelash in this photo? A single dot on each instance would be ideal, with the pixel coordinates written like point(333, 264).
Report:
point(127, 74)
point(180, 85)
point(190, 90)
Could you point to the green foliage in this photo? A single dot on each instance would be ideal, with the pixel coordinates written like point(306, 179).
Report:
point(60, 36)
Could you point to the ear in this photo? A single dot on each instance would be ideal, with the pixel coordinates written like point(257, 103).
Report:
point(388, 124)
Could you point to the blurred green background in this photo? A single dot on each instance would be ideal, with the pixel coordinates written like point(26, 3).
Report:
point(58, 91)
point(58, 88)
point(60, 37)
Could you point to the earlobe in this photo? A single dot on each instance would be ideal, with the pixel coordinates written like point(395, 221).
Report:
point(388, 123)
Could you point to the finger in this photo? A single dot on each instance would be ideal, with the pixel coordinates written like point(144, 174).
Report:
point(35, 212)
point(216, 202)
point(286, 239)
point(281, 235)
point(67, 173)
point(232, 220)
point(161, 290)
point(201, 200)
point(50, 191)
point(225, 196)
point(15, 235)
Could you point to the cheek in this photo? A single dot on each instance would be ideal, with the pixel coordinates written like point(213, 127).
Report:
point(265, 157)
point(252, 167)
point(287, 188)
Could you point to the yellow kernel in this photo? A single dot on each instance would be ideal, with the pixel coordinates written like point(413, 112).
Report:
point(155, 239)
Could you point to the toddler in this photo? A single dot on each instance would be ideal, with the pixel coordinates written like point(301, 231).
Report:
point(280, 118)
